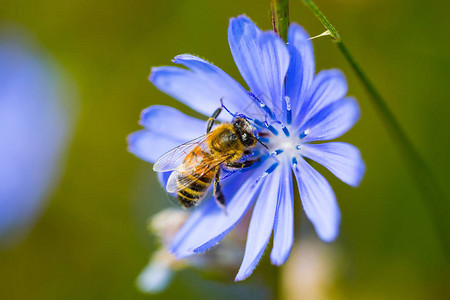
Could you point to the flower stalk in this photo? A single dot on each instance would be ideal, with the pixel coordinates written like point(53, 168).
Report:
point(280, 17)
point(433, 195)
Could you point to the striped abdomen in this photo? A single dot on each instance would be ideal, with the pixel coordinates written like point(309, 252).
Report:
point(197, 171)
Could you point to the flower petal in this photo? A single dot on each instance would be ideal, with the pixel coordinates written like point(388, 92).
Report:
point(201, 87)
point(300, 74)
point(342, 159)
point(283, 236)
point(149, 145)
point(328, 86)
point(167, 129)
point(223, 86)
point(275, 64)
point(208, 224)
point(163, 177)
point(261, 224)
point(172, 123)
point(243, 36)
point(332, 121)
point(318, 200)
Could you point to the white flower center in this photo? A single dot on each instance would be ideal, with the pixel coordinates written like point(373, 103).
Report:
point(288, 144)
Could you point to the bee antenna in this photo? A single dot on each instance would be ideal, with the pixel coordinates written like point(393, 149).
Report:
point(259, 141)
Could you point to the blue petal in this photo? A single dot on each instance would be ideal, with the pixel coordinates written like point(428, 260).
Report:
point(300, 74)
point(167, 129)
point(208, 224)
point(201, 87)
point(149, 145)
point(172, 123)
point(275, 65)
point(262, 59)
point(318, 199)
point(283, 237)
point(261, 224)
point(342, 159)
point(163, 177)
point(243, 36)
point(332, 121)
point(328, 86)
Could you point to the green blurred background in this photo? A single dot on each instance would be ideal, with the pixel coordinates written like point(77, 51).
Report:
point(91, 241)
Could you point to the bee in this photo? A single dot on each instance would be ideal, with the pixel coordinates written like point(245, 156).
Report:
point(197, 163)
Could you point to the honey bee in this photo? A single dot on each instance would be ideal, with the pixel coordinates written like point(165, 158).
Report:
point(197, 163)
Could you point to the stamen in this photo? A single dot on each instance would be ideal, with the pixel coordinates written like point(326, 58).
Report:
point(262, 105)
point(235, 115)
point(271, 168)
point(304, 134)
point(298, 147)
point(266, 172)
point(276, 152)
point(283, 127)
point(245, 117)
point(259, 123)
point(286, 131)
point(287, 102)
point(294, 161)
point(221, 104)
point(271, 128)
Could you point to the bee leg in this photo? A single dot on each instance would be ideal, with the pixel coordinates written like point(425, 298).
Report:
point(247, 152)
point(213, 118)
point(242, 165)
point(220, 199)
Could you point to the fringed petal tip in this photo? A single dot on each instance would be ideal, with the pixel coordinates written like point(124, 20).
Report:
point(241, 18)
point(342, 159)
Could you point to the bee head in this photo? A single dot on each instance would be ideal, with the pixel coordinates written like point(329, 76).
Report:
point(245, 132)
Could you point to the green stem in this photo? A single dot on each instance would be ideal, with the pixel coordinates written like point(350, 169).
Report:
point(333, 32)
point(435, 198)
point(280, 17)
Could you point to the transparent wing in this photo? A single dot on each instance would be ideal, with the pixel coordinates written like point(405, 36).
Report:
point(173, 158)
point(183, 177)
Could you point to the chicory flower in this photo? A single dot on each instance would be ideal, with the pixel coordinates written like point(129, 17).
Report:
point(34, 131)
point(292, 109)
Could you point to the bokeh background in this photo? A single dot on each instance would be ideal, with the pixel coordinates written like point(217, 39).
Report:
point(91, 242)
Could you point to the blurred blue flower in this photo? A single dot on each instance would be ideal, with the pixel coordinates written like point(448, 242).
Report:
point(292, 109)
point(163, 265)
point(34, 130)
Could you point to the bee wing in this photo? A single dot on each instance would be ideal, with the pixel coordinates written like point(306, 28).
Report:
point(182, 178)
point(173, 158)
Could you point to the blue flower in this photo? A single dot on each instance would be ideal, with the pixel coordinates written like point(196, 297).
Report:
point(34, 131)
point(292, 109)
